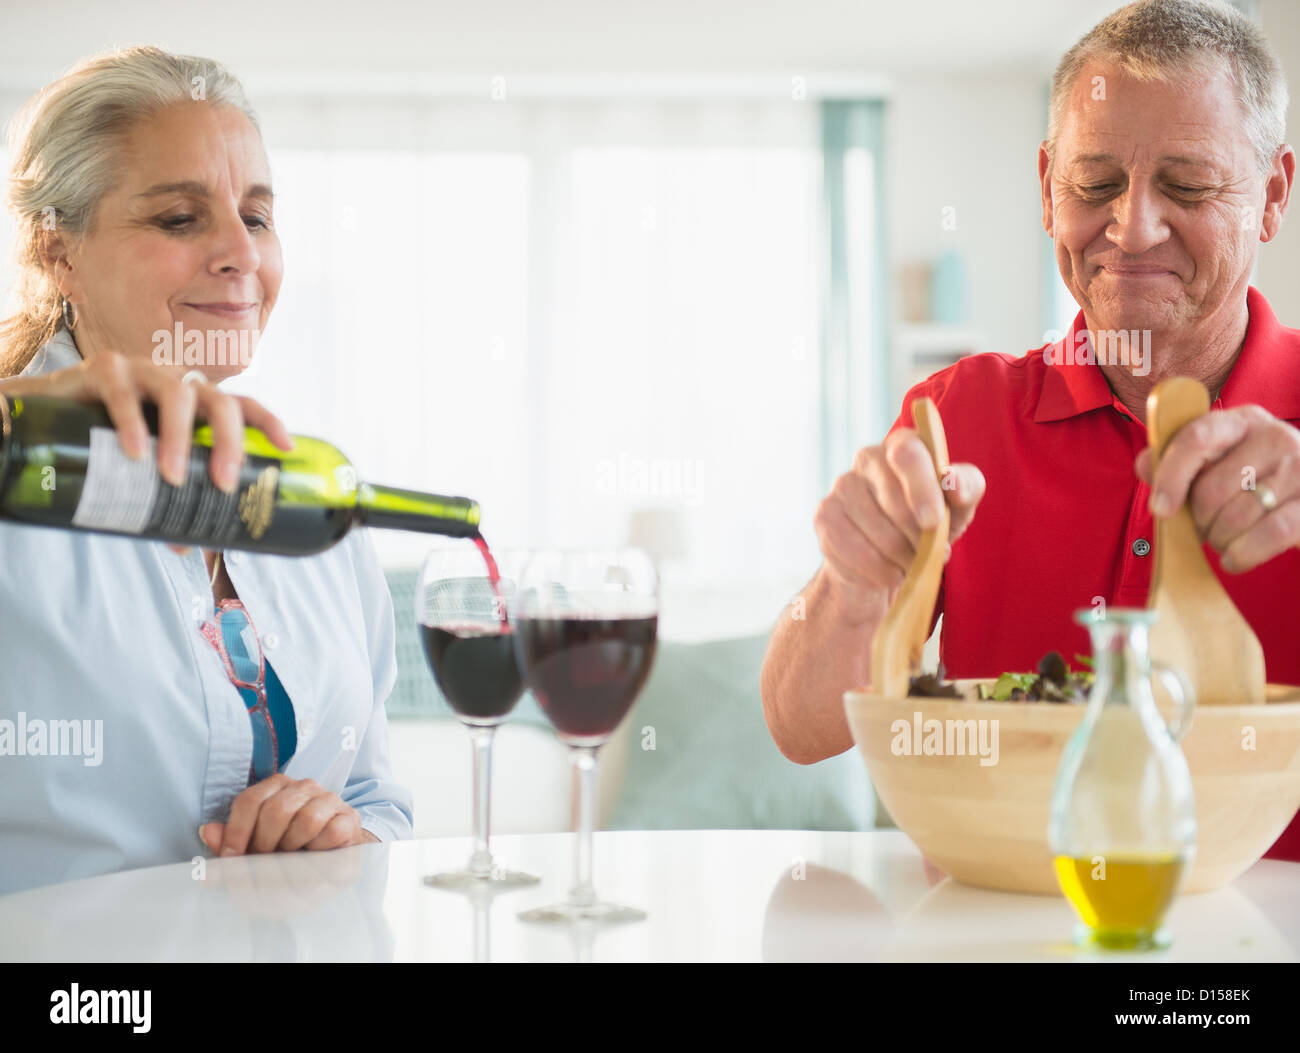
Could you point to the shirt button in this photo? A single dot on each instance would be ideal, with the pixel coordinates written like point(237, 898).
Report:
point(1141, 547)
point(270, 641)
point(234, 559)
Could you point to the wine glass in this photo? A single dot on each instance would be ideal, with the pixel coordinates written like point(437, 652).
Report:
point(463, 614)
point(585, 630)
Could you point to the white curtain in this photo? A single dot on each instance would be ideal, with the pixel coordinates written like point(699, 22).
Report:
point(574, 311)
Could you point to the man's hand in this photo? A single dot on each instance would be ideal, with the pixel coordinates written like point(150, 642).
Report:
point(870, 523)
point(280, 814)
point(1230, 461)
point(868, 528)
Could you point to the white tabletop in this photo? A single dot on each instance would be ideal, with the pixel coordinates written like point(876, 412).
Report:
point(729, 895)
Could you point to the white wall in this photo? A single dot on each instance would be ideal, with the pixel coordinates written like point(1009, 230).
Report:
point(1278, 273)
point(970, 142)
point(292, 37)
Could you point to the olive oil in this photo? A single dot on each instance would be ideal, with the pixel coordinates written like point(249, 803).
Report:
point(1121, 899)
point(1122, 825)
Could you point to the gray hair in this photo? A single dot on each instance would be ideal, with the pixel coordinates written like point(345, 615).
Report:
point(65, 149)
point(1156, 39)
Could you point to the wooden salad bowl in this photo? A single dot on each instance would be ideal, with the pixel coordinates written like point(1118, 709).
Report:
point(986, 823)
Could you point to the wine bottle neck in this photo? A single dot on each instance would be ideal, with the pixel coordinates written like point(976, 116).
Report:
point(389, 507)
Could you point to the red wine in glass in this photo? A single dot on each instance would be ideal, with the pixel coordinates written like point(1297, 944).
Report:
point(585, 624)
point(461, 613)
point(474, 665)
point(586, 671)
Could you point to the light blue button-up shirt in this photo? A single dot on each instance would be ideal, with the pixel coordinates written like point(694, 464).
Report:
point(119, 731)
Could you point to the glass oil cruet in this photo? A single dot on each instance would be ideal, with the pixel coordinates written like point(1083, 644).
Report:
point(1122, 830)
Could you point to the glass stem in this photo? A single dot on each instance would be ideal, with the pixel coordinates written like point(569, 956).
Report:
point(480, 863)
point(482, 937)
point(584, 820)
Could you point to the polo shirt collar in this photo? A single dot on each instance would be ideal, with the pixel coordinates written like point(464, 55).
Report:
point(1070, 389)
point(1267, 372)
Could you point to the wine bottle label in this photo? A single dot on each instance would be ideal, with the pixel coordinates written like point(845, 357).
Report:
point(129, 496)
point(118, 492)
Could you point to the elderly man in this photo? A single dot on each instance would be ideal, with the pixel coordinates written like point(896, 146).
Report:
point(1163, 169)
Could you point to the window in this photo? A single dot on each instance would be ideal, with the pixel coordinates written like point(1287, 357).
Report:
point(608, 320)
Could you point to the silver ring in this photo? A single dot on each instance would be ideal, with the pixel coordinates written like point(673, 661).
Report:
point(195, 376)
point(1266, 496)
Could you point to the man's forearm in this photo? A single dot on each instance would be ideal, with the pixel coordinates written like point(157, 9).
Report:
point(810, 662)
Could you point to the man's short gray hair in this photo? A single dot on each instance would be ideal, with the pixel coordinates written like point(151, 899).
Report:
point(1157, 39)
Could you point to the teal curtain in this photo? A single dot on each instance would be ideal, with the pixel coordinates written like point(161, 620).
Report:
point(1050, 298)
point(1058, 306)
point(857, 379)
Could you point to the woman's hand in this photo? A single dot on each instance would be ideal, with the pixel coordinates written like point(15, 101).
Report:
point(1240, 471)
point(122, 383)
point(280, 814)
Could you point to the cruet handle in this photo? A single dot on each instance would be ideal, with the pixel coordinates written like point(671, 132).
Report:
point(1183, 692)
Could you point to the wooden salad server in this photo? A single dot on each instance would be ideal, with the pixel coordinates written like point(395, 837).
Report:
point(1199, 631)
point(900, 640)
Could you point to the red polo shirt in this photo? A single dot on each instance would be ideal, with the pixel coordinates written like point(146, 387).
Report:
point(1065, 516)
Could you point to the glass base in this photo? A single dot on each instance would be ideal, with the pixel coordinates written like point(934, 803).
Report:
point(598, 911)
point(1121, 940)
point(468, 880)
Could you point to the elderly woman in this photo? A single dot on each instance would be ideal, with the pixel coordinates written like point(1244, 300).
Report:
point(239, 701)
point(1163, 170)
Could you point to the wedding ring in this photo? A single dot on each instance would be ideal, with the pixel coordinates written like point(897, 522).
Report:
point(195, 376)
point(1266, 497)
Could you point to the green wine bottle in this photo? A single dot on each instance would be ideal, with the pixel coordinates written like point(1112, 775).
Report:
point(61, 465)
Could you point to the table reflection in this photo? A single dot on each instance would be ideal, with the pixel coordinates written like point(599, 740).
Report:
point(294, 906)
point(956, 922)
point(817, 914)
